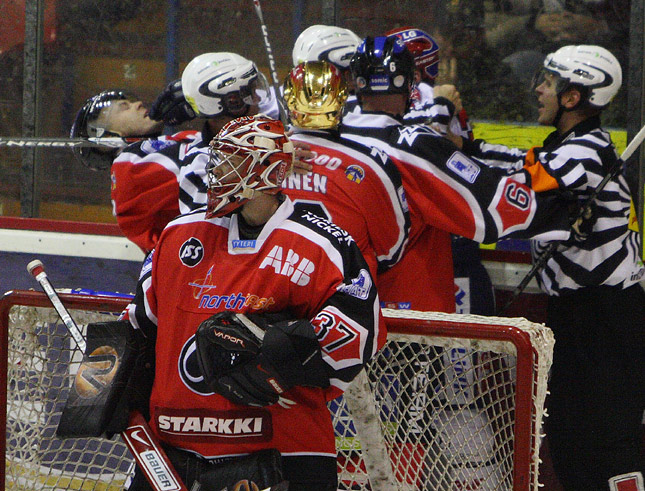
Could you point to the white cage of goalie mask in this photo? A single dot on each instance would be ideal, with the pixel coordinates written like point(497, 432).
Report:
point(452, 402)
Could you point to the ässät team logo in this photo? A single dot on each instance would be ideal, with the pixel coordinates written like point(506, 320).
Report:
point(355, 173)
point(191, 252)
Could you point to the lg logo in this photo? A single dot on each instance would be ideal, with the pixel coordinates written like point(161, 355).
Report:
point(191, 252)
point(408, 35)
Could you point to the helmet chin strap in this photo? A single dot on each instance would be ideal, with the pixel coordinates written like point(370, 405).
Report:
point(562, 109)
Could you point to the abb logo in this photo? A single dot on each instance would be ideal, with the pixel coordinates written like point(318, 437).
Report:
point(289, 264)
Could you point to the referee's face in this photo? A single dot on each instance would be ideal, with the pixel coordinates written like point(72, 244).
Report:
point(547, 99)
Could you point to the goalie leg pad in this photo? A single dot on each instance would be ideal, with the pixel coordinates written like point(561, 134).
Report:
point(262, 469)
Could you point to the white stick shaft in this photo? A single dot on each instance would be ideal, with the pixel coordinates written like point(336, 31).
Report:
point(267, 45)
point(633, 145)
point(272, 66)
point(27, 142)
point(62, 311)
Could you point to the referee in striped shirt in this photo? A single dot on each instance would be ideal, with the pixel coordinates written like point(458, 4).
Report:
point(596, 304)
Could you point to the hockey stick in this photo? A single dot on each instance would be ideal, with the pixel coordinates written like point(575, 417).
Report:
point(37, 270)
point(20, 141)
point(274, 73)
point(542, 259)
point(137, 436)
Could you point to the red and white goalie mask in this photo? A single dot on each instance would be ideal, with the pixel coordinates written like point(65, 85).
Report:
point(250, 154)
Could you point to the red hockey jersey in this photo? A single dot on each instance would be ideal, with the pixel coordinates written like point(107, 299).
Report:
point(448, 193)
point(359, 190)
point(145, 188)
point(301, 264)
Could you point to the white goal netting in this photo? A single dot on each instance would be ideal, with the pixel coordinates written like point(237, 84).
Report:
point(453, 402)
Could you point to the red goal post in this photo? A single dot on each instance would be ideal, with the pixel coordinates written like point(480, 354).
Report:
point(452, 402)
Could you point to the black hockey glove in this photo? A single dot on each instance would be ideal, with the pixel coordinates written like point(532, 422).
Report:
point(583, 220)
point(171, 107)
point(255, 369)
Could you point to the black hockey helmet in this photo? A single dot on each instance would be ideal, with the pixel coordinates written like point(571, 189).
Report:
point(382, 65)
point(87, 124)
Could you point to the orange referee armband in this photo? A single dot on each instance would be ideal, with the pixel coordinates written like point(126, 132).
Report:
point(541, 180)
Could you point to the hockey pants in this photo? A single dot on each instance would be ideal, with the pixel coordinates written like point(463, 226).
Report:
point(597, 385)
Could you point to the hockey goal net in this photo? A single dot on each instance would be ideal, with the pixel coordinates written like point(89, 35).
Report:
point(453, 402)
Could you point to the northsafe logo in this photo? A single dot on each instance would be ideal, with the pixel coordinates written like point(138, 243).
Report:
point(230, 301)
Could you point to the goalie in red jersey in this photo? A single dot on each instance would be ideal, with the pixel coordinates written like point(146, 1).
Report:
point(260, 315)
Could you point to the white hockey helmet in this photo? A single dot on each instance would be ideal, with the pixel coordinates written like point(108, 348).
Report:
point(325, 43)
point(592, 67)
point(223, 83)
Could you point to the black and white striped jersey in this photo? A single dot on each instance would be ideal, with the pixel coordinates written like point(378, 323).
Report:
point(426, 109)
point(578, 161)
point(438, 112)
point(455, 193)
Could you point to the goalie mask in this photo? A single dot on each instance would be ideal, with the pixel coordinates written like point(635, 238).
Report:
point(223, 83)
point(315, 93)
point(249, 154)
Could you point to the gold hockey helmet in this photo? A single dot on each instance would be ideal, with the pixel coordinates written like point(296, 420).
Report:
point(315, 93)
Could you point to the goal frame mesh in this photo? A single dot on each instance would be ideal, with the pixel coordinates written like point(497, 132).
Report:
point(529, 343)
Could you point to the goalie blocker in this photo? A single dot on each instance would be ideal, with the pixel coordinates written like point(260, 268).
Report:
point(114, 378)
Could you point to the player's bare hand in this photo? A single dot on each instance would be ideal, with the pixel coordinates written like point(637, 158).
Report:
point(451, 93)
point(456, 139)
point(302, 163)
